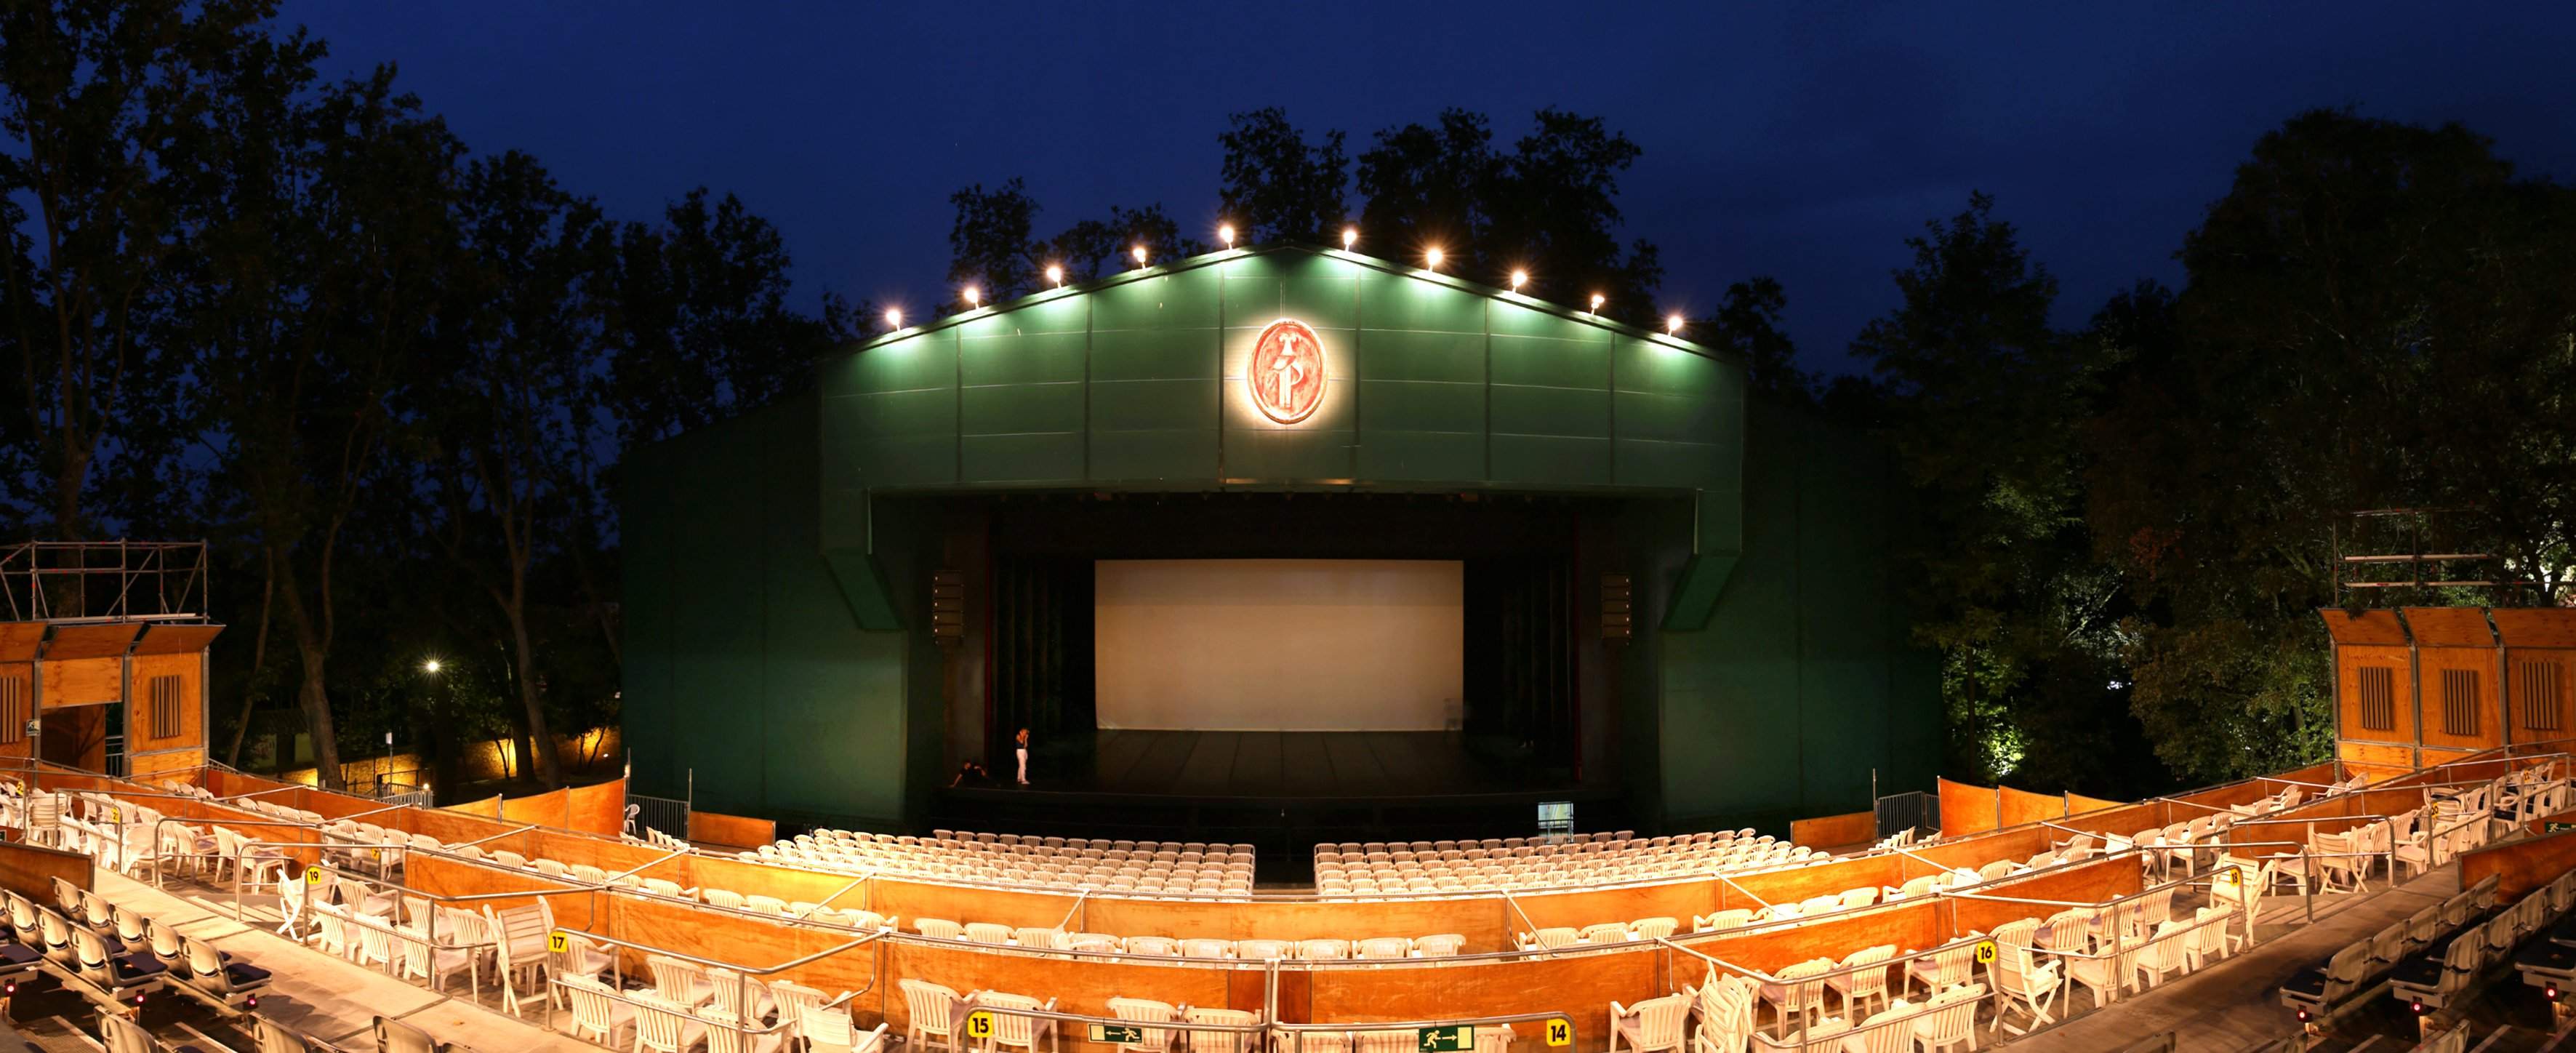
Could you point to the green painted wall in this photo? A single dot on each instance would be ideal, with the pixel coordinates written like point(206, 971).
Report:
point(756, 550)
point(1803, 680)
point(1136, 382)
point(742, 661)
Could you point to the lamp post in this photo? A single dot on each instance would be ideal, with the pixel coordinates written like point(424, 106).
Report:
point(432, 667)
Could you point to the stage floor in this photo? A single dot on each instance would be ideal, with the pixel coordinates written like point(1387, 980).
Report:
point(1259, 765)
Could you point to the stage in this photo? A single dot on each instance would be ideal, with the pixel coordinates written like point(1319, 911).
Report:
point(1281, 791)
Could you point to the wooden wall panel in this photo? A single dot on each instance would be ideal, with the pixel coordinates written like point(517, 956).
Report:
point(1582, 985)
point(2375, 626)
point(19, 640)
point(153, 766)
point(2481, 663)
point(91, 640)
point(2449, 627)
point(2520, 866)
point(1835, 831)
point(22, 676)
point(80, 681)
point(165, 638)
point(2434, 757)
point(2376, 757)
point(1968, 809)
point(733, 831)
point(2535, 626)
point(2547, 673)
point(190, 669)
point(2399, 661)
point(2023, 806)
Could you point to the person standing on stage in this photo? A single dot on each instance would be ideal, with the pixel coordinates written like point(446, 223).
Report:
point(1024, 756)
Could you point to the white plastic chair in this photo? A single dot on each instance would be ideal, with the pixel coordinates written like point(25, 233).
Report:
point(595, 1012)
point(1147, 1011)
point(1650, 1025)
point(933, 1010)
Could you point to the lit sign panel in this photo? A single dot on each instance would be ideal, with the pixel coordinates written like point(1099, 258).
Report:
point(1286, 372)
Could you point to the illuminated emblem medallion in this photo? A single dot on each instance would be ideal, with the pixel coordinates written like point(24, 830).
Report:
point(1286, 372)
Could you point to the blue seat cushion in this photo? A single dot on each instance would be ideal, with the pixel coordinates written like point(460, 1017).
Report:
point(19, 954)
point(138, 966)
point(2423, 970)
point(240, 975)
point(2546, 955)
point(2308, 984)
point(2564, 931)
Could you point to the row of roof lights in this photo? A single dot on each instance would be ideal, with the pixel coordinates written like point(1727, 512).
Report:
point(974, 296)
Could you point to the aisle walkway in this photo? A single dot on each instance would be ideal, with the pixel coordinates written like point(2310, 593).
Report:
point(2238, 1004)
point(330, 998)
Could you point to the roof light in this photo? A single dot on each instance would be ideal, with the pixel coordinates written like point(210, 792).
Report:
point(1673, 325)
point(894, 318)
point(974, 296)
point(1140, 255)
point(1225, 233)
point(1055, 275)
point(1350, 237)
point(1519, 278)
point(1434, 257)
point(1597, 301)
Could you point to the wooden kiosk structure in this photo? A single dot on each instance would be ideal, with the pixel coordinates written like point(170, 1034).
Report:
point(2422, 686)
point(103, 655)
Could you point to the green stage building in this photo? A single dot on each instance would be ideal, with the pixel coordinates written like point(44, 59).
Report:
point(1576, 561)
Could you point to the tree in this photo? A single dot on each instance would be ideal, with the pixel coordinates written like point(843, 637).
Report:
point(514, 408)
point(1276, 188)
point(2378, 315)
point(107, 117)
point(702, 329)
point(990, 245)
point(1748, 323)
point(1550, 207)
point(1984, 401)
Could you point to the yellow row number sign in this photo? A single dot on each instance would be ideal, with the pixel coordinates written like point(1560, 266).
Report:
point(979, 1024)
point(1985, 952)
point(313, 874)
point(1560, 1034)
point(558, 941)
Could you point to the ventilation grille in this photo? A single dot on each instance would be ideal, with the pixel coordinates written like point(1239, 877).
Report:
point(2544, 696)
point(2378, 698)
point(2460, 702)
point(13, 709)
point(165, 706)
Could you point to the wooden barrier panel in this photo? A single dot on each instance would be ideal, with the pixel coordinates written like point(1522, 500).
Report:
point(2521, 866)
point(1793, 884)
point(488, 806)
point(551, 808)
point(2078, 804)
point(2022, 806)
point(1079, 986)
point(599, 808)
point(30, 870)
point(731, 830)
point(2016, 845)
point(2092, 882)
point(1835, 831)
point(2127, 820)
point(757, 944)
point(1968, 809)
point(1485, 921)
point(448, 827)
point(1672, 899)
point(1581, 985)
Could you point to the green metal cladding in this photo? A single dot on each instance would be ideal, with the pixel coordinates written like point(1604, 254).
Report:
point(775, 563)
point(1137, 382)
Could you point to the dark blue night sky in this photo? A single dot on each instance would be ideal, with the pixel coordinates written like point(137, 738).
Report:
point(1804, 141)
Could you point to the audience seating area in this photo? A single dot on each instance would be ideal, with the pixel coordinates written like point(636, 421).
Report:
point(115, 957)
point(1355, 869)
point(1150, 867)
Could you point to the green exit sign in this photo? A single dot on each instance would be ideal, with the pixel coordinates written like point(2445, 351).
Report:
point(1121, 1034)
point(2558, 827)
point(1456, 1038)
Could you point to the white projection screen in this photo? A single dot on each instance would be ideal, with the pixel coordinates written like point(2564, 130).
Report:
point(1278, 644)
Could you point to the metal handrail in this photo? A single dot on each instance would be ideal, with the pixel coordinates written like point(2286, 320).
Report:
point(742, 973)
